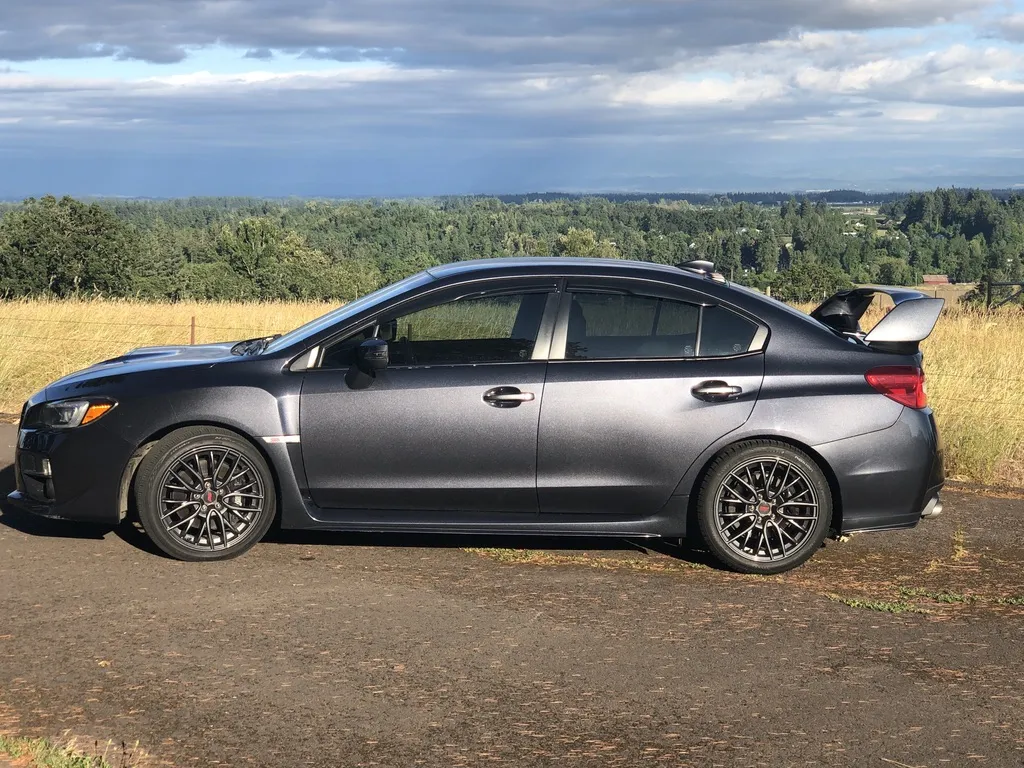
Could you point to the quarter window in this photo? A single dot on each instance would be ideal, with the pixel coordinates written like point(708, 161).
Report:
point(725, 333)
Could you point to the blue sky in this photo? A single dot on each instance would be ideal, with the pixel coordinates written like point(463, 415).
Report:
point(349, 98)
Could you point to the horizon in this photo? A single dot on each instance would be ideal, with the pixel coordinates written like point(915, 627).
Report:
point(551, 195)
point(397, 99)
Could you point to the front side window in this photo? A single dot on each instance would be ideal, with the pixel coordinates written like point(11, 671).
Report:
point(473, 330)
point(610, 326)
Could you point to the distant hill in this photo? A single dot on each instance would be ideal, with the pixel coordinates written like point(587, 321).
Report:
point(831, 196)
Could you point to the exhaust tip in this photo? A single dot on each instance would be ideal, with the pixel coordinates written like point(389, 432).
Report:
point(932, 509)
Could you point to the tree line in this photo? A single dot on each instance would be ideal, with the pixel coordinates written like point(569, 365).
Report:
point(252, 249)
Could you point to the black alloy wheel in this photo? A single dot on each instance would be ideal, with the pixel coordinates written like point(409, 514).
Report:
point(764, 507)
point(205, 493)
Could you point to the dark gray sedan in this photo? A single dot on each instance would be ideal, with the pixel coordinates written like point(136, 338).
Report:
point(513, 396)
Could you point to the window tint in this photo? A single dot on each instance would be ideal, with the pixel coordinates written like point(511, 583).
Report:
point(605, 326)
point(725, 333)
point(482, 329)
point(608, 326)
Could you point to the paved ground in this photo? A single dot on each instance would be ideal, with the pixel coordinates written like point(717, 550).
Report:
point(355, 650)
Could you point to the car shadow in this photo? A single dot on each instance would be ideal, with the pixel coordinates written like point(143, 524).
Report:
point(131, 532)
point(686, 550)
point(25, 522)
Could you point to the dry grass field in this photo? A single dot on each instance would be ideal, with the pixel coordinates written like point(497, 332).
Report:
point(974, 365)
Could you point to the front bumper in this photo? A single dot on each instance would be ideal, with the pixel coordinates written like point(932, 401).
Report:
point(72, 474)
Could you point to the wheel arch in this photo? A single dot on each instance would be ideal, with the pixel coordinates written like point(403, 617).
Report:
point(131, 468)
point(836, 523)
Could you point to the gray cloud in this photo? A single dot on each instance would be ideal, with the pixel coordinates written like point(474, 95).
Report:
point(505, 96)
point(1010, 28)
point(262, 54)
point(633, 35)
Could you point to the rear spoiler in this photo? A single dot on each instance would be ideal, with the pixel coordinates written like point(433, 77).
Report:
point(901, 330)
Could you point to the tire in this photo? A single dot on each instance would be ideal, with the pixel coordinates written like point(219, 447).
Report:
point(205, 493)
point(764, 507)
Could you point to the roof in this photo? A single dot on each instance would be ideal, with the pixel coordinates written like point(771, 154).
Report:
point(556, 262)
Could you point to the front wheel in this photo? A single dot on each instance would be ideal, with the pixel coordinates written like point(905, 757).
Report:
point(205, 493)
point(764, 507)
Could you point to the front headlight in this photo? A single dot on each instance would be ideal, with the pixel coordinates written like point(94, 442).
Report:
point(65, 414)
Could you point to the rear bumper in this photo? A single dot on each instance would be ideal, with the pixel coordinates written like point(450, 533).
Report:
point(70, 474)
point(890, 478)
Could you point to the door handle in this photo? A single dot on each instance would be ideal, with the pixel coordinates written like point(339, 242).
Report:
point(507, 397)
point(715, 391)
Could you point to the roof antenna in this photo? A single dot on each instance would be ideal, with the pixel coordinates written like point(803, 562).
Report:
point(702, 267)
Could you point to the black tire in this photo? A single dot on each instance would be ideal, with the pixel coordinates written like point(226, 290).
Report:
point(205, 493)
point(764, 507)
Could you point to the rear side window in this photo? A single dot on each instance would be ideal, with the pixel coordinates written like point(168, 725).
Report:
point(604, 326)
point(609, 326)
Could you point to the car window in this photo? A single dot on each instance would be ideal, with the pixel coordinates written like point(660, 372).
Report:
point(723, 333)
point(349, 310)
point(609, 326)
point(604, 326)
point(481, 329)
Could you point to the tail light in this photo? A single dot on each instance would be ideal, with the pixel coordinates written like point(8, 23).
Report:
point(902, 383)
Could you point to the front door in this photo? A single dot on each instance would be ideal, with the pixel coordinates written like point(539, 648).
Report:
point(647, 381)
point(451, 423)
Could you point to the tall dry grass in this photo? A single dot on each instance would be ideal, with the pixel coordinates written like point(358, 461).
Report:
point(43, 339)
point(974, 367)
point(974, 361)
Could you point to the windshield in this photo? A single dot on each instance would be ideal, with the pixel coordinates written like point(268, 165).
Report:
point(314, 327)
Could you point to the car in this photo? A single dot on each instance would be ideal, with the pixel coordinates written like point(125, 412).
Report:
point(535, 395)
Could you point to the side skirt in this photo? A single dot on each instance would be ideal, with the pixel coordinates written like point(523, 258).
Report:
point(670, 521)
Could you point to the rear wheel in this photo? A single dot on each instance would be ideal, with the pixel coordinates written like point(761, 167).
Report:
point(764, 507)
point(204, 493)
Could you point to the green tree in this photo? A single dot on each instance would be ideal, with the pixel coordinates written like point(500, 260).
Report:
point(66, 247)
point(808, 280)
point(584, 243)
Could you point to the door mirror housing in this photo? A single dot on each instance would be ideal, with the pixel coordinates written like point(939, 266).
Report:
point(372, 355)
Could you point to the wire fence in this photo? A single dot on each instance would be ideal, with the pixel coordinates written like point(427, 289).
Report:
point(128, 324)
point(189, 332)
point(192, 327)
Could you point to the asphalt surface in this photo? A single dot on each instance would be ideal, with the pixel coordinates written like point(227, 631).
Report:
point(340, 650)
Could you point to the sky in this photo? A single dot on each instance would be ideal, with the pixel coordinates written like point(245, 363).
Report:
point(389, 98)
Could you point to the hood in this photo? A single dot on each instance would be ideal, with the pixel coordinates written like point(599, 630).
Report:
point(146, 359)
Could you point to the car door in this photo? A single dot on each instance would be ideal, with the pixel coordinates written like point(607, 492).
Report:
point(643, 378)
point(451, 423)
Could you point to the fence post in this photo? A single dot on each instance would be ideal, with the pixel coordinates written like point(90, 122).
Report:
point(192, 331)
point(988, 293)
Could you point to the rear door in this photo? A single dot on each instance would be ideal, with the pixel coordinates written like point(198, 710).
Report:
point(643, 378)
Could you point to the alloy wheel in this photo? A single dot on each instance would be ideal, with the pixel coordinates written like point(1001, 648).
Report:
point(766, 509)
point(210, 497)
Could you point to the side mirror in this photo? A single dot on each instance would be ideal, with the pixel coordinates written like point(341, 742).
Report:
point(372, 355)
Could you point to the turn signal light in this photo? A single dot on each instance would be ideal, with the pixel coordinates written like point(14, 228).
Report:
point(902, 383)
point(95, 411)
